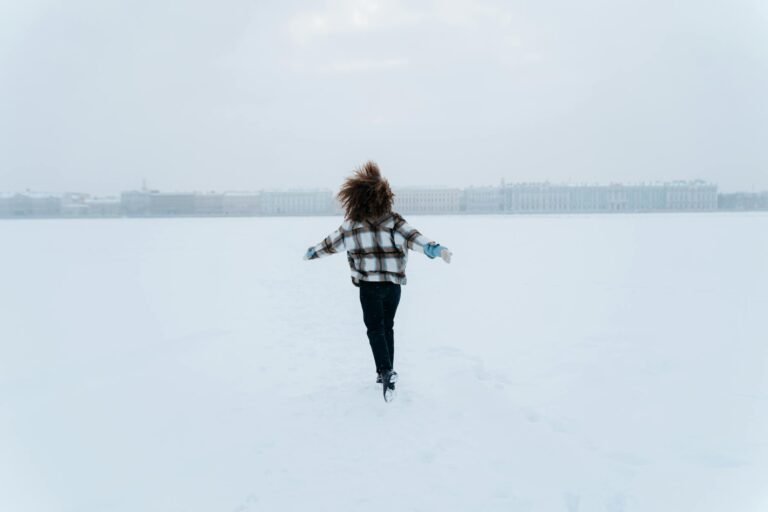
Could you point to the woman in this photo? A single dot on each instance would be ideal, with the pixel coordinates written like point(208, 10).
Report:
point(377, 241)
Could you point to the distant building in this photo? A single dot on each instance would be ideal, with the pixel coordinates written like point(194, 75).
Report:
point(30, 204)
point(209, 204)
point(156, 204)
point(297, 202)
point(241, 204)
point(536, 198)
point(172, 204)
point(591, 198)
point(691, 196)
point(73, 204)
point(103, 207)
point(427, 200)
point(549, 198)
point(482, 200)
point(743, 201)
point(135, 204)
point(336, 207)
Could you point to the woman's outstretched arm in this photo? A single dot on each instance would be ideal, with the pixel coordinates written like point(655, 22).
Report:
point(414, 238)
point(330, 245)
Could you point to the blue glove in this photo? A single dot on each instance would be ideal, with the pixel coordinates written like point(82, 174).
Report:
point(432, 250)
point(310, 253)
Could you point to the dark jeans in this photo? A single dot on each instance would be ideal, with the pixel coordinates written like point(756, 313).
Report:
point(379, 301)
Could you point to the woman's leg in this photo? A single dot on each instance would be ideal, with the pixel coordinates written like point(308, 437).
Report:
point(372, 301)
point(391, 300)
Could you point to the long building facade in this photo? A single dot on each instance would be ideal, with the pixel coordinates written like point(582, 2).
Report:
point(548, 198)
point(516, 198)
point(427, 200)
point(30, 205)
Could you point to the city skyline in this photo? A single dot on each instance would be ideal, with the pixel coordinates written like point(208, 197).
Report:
point(505, 198)
point(145, 185)
point(150, 184)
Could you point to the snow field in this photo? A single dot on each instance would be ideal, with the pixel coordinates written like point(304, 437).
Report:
point(560, 363)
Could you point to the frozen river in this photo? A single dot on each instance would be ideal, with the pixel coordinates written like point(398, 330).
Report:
point(612, 363)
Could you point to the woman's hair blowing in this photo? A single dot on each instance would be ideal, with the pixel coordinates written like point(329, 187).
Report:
point(366, 195)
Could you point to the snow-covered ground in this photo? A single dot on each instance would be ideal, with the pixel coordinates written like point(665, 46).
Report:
point(613, 363)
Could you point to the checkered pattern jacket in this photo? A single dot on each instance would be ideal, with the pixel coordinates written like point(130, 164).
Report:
point(376, 250)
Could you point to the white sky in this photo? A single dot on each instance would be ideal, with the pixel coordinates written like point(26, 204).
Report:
point(234, 95)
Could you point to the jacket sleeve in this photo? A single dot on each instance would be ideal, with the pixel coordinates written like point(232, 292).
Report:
point(413, 238)
point(330, 244)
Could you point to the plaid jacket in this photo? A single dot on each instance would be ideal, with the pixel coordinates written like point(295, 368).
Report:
point(376, 250)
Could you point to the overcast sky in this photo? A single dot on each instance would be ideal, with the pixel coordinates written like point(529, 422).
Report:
point(236, 95)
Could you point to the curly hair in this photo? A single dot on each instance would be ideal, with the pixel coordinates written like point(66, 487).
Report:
point(366, 195)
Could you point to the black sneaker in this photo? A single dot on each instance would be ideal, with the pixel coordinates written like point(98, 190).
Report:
point(388, 383)
point(378, 378)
